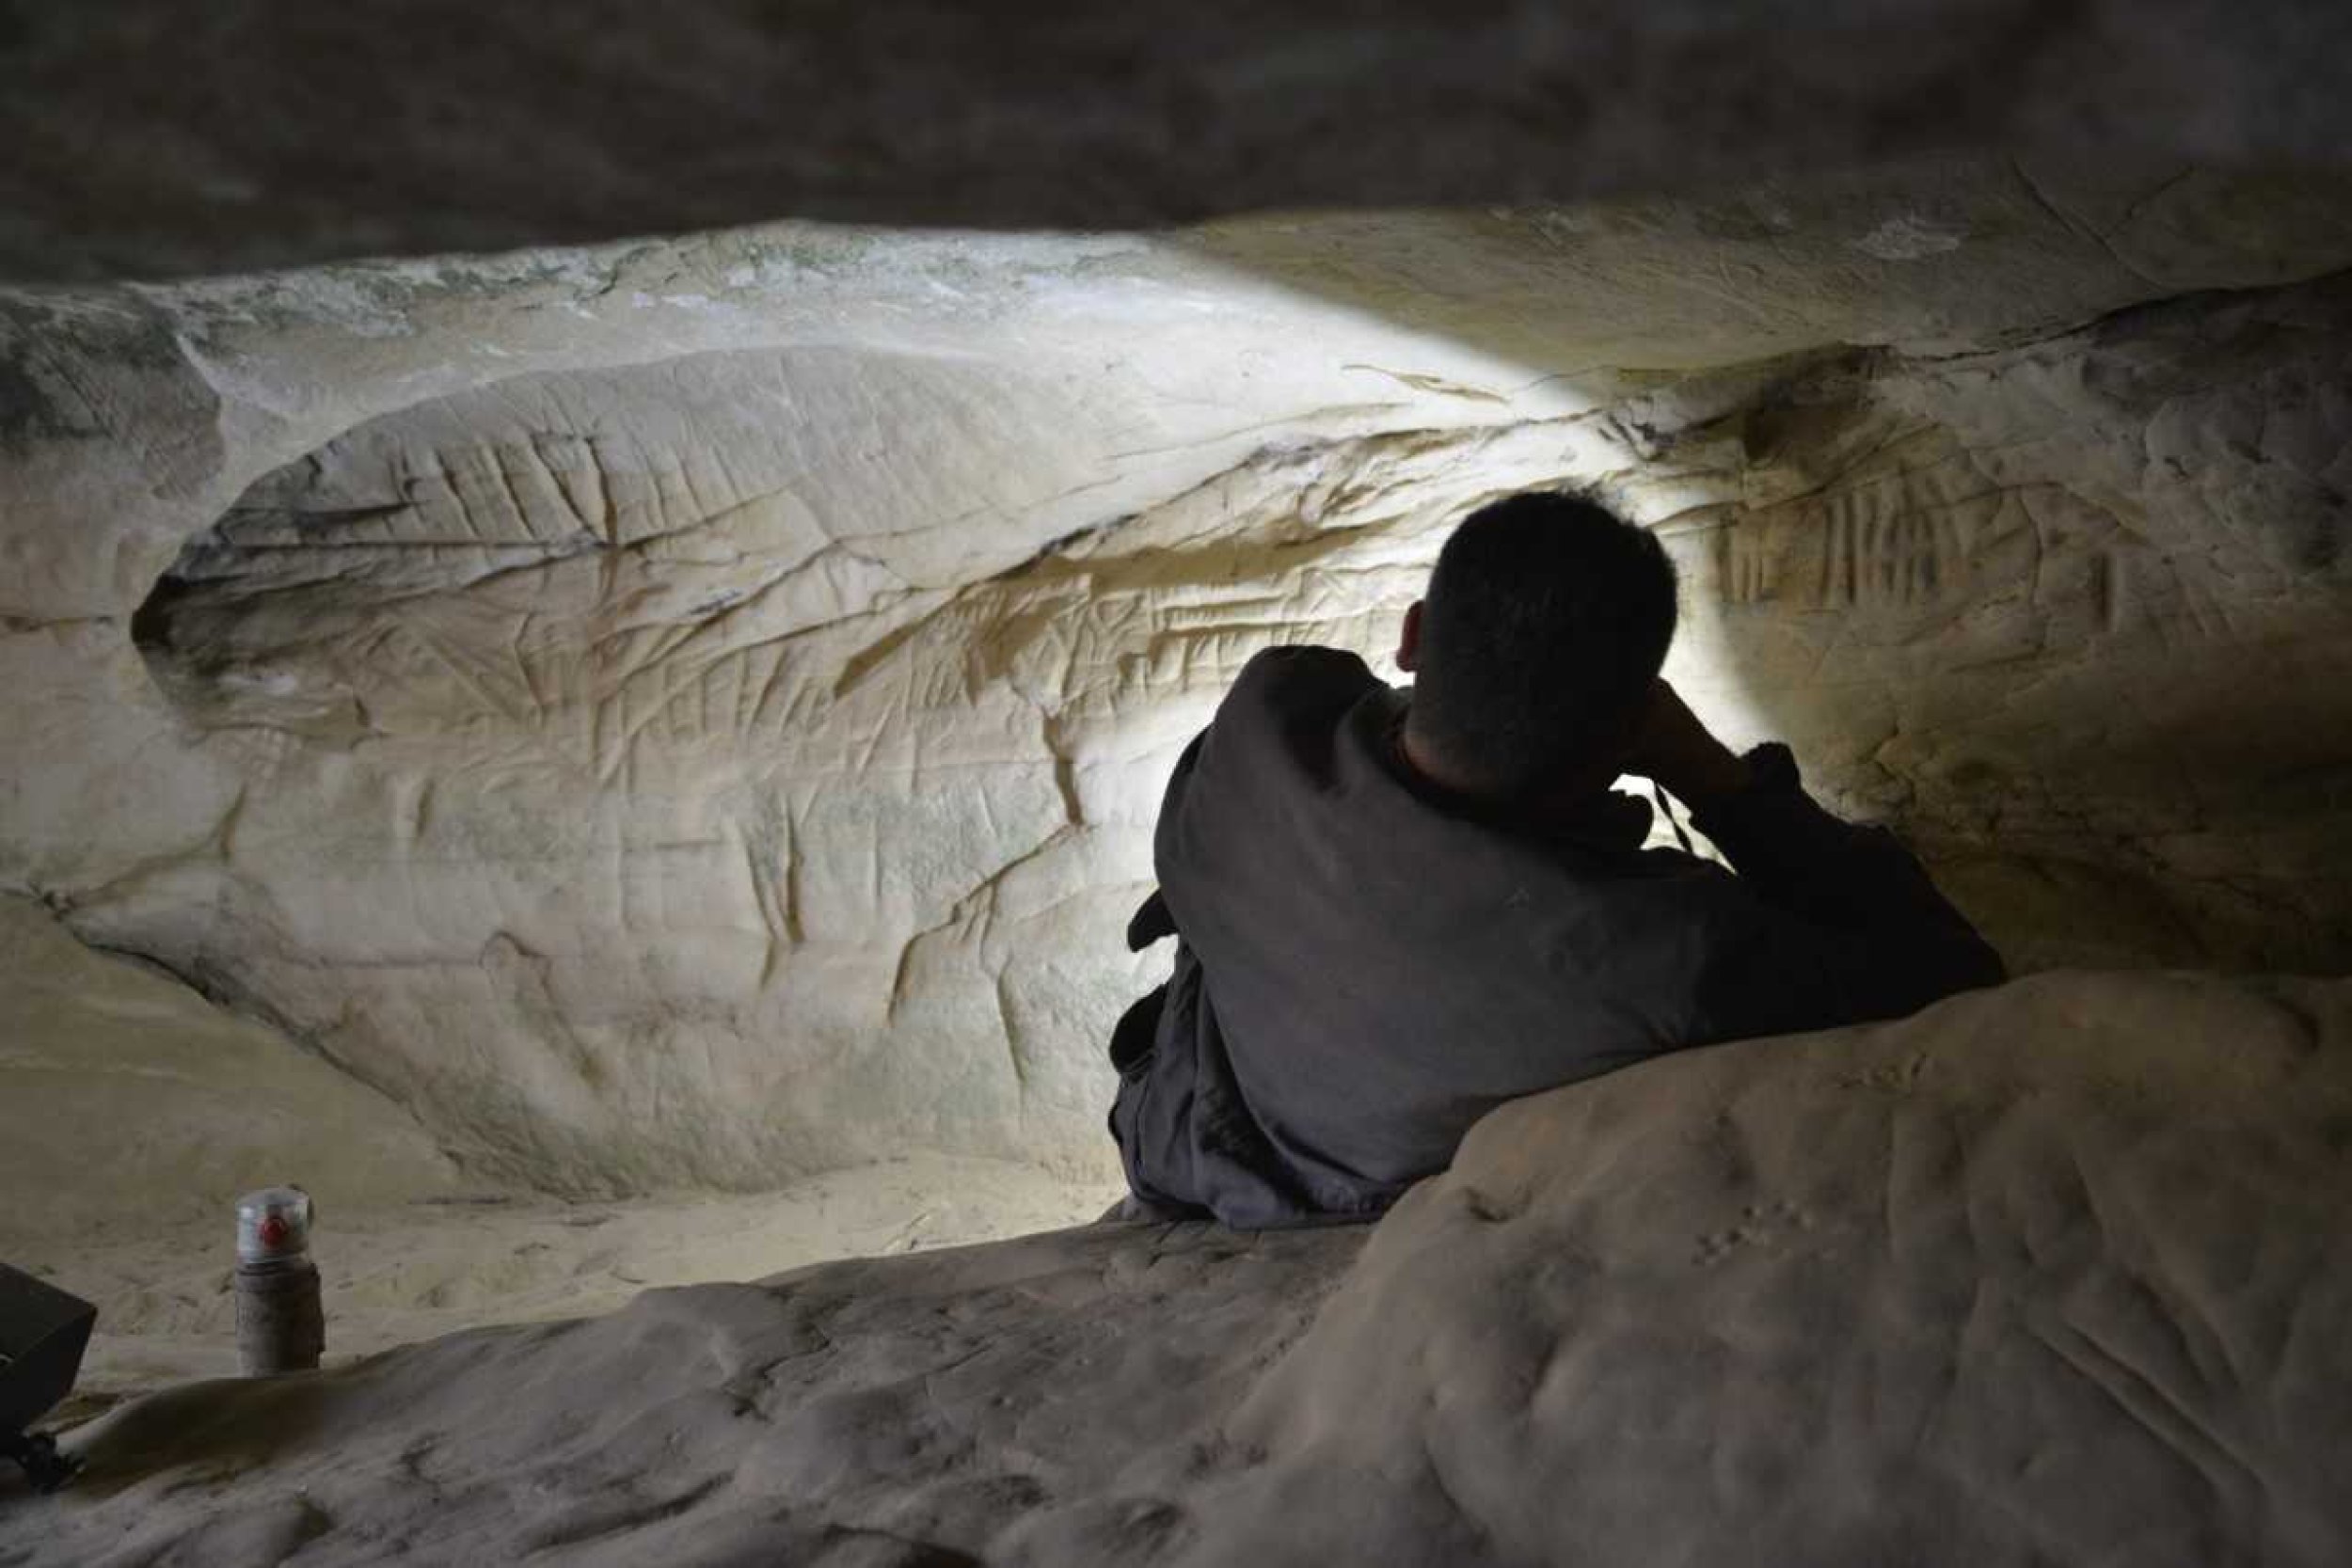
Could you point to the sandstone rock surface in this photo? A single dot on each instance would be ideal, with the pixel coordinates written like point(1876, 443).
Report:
point(134, 1103)
point(136, 1112)
point(537, 746)
point(690, 715)
point(142, 141)
point(2055, 1273)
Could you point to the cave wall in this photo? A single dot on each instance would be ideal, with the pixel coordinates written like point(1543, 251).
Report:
point(690, 713)
point(2073, 615)
point(133, 1105)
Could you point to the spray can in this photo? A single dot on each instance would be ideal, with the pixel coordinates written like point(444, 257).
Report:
point(281, 1326)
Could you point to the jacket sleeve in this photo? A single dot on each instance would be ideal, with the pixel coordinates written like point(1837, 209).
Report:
point(1151, 923)
point(1834, 922)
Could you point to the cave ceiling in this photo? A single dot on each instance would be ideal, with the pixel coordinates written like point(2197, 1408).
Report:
point(148, 140)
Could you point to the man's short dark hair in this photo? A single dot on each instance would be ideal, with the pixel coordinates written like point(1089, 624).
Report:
point(1545, 625)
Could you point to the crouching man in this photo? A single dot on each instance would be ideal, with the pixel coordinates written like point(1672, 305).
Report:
point(1395, 909)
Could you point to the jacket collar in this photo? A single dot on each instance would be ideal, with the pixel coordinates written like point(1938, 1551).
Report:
point(1608, 821)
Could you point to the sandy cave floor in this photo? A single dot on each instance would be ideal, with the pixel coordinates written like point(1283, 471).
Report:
point(2051, 1272)
point(400, 1275)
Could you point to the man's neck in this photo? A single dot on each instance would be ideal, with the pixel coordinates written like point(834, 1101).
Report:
point(1580, 790)
point(1427, 764)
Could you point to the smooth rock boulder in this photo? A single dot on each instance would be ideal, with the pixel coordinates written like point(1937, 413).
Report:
point(2061, 1273)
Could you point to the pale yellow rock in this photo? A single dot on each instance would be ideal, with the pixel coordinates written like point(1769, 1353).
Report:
point(134, 1105)
point(2057, 1272)
point(690, 715)
point(396, 1270)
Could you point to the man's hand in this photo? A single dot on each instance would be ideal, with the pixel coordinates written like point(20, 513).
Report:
point(1673, 748)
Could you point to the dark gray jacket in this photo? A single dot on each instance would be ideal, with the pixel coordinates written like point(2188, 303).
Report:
point(1364, 969)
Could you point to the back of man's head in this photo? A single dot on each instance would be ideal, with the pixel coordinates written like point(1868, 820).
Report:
point(1546, 623)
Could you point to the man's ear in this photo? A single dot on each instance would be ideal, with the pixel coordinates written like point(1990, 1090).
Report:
point(1408, 641)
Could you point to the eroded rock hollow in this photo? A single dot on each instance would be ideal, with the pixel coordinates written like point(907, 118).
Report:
point(653, 763)
point(683, 718)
